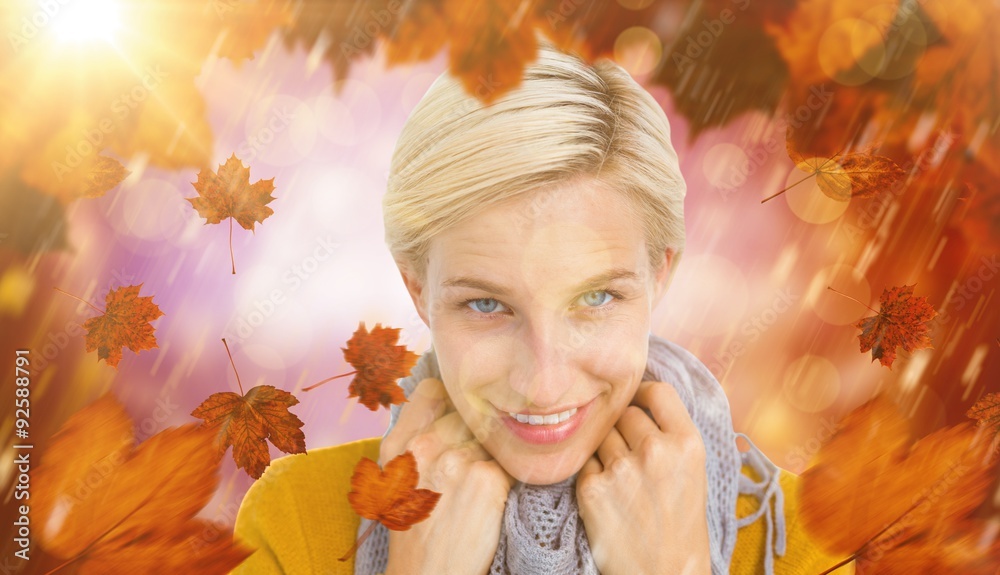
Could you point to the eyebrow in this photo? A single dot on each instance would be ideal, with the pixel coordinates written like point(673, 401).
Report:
point(590, 283)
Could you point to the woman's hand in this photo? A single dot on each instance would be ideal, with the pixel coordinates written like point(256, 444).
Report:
point(463, 531)
point(642, 497)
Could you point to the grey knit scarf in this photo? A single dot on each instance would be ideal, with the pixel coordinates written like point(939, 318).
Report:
point(542, 532)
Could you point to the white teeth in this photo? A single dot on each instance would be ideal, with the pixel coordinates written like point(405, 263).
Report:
point(544, 419)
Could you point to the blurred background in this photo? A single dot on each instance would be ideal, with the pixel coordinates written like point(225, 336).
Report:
point(318, 107)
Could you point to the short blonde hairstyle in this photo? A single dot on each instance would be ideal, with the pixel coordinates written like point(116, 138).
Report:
point(457, 157)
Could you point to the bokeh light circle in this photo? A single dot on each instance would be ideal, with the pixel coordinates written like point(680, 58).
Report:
point(808, 202)
point(725, 166)
point(280, 130)
point(849, 49)
point(638, 49)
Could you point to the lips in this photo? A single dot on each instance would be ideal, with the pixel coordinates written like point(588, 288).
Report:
point(547, 433)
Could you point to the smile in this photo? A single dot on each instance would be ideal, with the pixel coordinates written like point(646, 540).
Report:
point(546, 429)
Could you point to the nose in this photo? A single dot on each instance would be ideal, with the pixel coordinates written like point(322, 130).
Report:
point(543, 369)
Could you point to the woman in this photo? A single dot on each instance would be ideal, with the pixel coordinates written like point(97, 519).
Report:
point(536, 236)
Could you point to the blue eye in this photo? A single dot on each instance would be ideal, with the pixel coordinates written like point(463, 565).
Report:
point(594, 306)
point(599, 302)
point(486, 311)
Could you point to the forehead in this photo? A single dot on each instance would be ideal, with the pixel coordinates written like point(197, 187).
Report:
point(554, 236)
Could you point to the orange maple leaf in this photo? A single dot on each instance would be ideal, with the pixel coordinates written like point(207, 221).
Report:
point(104, 174)
point(247, 421)
point(229, 194)
point(986, 412)
point(378, 363)
point(894, 493)
point(389, 496)
point(138, 511)
point(901, 321)
point(123, 323)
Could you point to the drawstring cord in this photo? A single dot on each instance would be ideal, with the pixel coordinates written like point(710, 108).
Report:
point(768, 487)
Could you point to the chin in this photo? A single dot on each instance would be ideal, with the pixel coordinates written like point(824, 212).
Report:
point(542, 469)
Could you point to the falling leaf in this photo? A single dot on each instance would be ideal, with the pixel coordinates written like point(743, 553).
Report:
point(389, 496)
point(490, 43)
point(104, 174)
point(246, 422)
point(378, 363)
point(229, 194)
point(69, 167)
point(249, 24)
point(986, 412)
point(902, 320)
point(891, 490)
point(137, 510)
point(739, 85)
point(342, 31)
point(125, 323)
point(842, 177)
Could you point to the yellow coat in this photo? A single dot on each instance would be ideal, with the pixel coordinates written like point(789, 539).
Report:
point(298, 517)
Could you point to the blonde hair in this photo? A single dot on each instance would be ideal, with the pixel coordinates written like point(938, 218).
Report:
point(456, 157)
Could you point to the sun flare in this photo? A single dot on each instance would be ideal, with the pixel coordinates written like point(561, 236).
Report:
point(88, 21)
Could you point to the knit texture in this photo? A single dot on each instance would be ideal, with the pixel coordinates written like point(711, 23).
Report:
point(542, 532)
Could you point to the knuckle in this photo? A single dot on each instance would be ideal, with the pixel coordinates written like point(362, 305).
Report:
point(622, 467)
point(654, 450)
point(450, 462)
point(420, 445)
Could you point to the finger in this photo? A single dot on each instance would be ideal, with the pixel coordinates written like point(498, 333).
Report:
point(451, 429)
point(447, 432)
point(590, 467)
point(665, 404)
point(426, 403)
point(635, 425)
point(612, 448)
point(450, 462)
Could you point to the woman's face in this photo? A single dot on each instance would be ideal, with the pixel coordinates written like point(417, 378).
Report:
point(537, 306)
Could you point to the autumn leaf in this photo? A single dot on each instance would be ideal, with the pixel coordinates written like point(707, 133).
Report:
point(389, 496)
point(986, 412)
point(137, 513)
point(59, 170)
point(248, 25)
point(841, 177)
point(123, 323)
point(892, 491)
point(902, 321)
point(104, 174)
point(229, 194)
point(247, 422)
point(378, 363)
point(754, 82)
